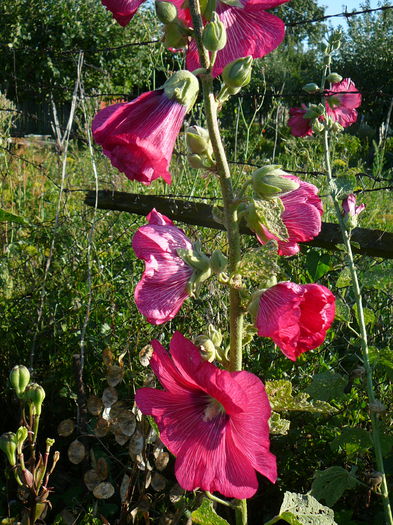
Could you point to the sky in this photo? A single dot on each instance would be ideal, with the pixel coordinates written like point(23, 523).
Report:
point(338, 6)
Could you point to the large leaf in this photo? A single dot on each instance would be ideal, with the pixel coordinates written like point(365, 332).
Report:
point(352, 441)
point(282, 400)
point(330, 484)
point(306, 510)
point(206, 515)
point(327, 386)
point(344, 279)
point(378, 277)
point(278, 425)
point(382, 357)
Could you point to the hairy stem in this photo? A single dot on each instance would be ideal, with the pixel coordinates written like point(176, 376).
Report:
point(230, 211)
point(363, 333)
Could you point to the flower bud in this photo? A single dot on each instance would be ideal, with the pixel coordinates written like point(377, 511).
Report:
point(208, 350)
point(237, 73)
point(269, 182)
point(333, 78)
point(311, 88)
point(218, 261)
point(183, 87)
point(19, 379)
point(214, 35)
point(315, 111)
point(215, 335)
point(336, 127)
point(317, 126)
point(34, 395)
point(195, 161)
point(20, 437)
point(327, 60)
point(166, 12)
point(8, 446)
point(198, 140)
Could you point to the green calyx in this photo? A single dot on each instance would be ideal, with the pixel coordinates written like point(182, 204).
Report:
point(166, 12)
point(260, 214)
point(19, 379)
point(270, 181)
point(199, 262)
point(8, 446)
point(183, 87)
point(198, 141)
point(237, 73)
point(34, 395)
point(315, 111)
point(334, 78)
point(214, 36)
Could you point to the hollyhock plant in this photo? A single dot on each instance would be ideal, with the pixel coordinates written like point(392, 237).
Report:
point(215, 422)
point(295, 316)
point(301, 216)
point(349, 206)
point(250, 31)
point(299, 124)
point(139, 136)
point(162, 290)
point(341, 102)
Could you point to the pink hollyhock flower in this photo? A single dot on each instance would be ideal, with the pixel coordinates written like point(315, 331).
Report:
point(349, 206)
point(122, 10)
point(301, 216)
point(250, 31)
point(162, 290)
point(295, 316)
point(215, 422)
point(299, 124)
point(341, 103)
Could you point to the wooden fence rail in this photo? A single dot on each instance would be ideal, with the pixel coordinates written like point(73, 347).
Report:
point(375, 243)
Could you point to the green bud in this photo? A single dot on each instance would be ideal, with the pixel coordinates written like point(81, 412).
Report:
point(8, 446)
point(34, 395)
point(317, 126)
point(337, 128)
point(333, 78)
point(50, 442)
point(183, 87)
point(215, 335)
point(237, 73)
point(166, 12)
point(269, 182)
point(198, 140)
point(315, 111)
point(174, 36)
point(195, 161)
point(20, 437)
point(311, 88)
point(207, 347)
point(197, 260)
point(218, 261)
point(19, 379)
point(214, 35)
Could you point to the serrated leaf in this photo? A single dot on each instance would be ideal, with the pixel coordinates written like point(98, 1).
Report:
point(327, 386)
point(369, 317)
point(344, 279)
point(7, 216)
point(282, 400)
point(352, 441)
point(330, 484)
point(378, 277)
point(285, 516)
point(206, 515)
point(260, 263)
point(278, 425)
point(306, 510)
point(269, 213)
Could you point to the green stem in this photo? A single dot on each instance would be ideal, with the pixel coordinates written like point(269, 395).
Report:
point(230, 212)
point(363, 333)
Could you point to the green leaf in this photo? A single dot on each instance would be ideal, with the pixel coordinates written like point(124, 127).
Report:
point(318, 264)
point(282, 400)
point(285, 516)
point(6, 216)
point(306, 510)
point(278, 425)
point(378, 277)
point(369, 317)
point(343, 312)
point(327, 386)
point(269, 213)
point(352, 441)
point(386, 444)
point(382, 358)
point(344, 279)
point(206, 515)
point(330, 484)
point(345, 184)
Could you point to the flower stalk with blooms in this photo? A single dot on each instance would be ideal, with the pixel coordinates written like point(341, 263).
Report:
point(139, 136)
point(215, 422)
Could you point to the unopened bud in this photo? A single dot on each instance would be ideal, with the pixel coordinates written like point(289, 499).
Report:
point(327, 60)
point(8, 446)
point(19, 379)
point(166, 12)
point(317, 126)
point(195, 161)
point(315, 111)
point(215, 335)
point(271, 181)
point(333, 78)
point(20, 437)
point(237, 74)
point(337, 128)
point(34, 395)
point(183, 87)
point(311, 88)
point(198, 140)
point(214, 35)
point(207, 347)
point(50, 442)
point(218, 261)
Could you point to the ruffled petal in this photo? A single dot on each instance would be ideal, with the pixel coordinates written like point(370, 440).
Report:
point(122, 10)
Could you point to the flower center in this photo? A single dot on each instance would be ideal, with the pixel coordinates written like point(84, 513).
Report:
point(212, 410)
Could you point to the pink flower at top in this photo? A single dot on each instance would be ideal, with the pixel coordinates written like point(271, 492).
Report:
point(301, 216)
point(122, 10)
point(139, 136)
point(349, 206)
point(299, 124)
point(162, 290)
point(295, 316)
point(341, 102)
point(215, 422)
point(250, 31)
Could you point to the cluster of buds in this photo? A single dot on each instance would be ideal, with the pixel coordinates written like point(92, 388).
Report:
point(210, 344)
point(32, 474)
point(176, 33)
point(199, 148)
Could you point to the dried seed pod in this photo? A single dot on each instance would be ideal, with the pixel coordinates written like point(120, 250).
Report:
point(162, 460)
point(124, 487)
point(102, 469)
point(121, 438)
point(136, 444)
point(109, 396)
point(127, 423)
point(145, 355)
point(102, 427)
point(94, 405)
point(66, 427)
point(91, 479)
point(114, 375)
point(176, 493)
point(104, 490)
point(76, 452)
point(158, 482)
point(118, 408)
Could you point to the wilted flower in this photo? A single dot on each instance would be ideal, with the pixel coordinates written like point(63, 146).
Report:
point(215, 422)
point(162, 290)
point(250, 31)
point(139, 136)
point(295, 316)
point(341, 100)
